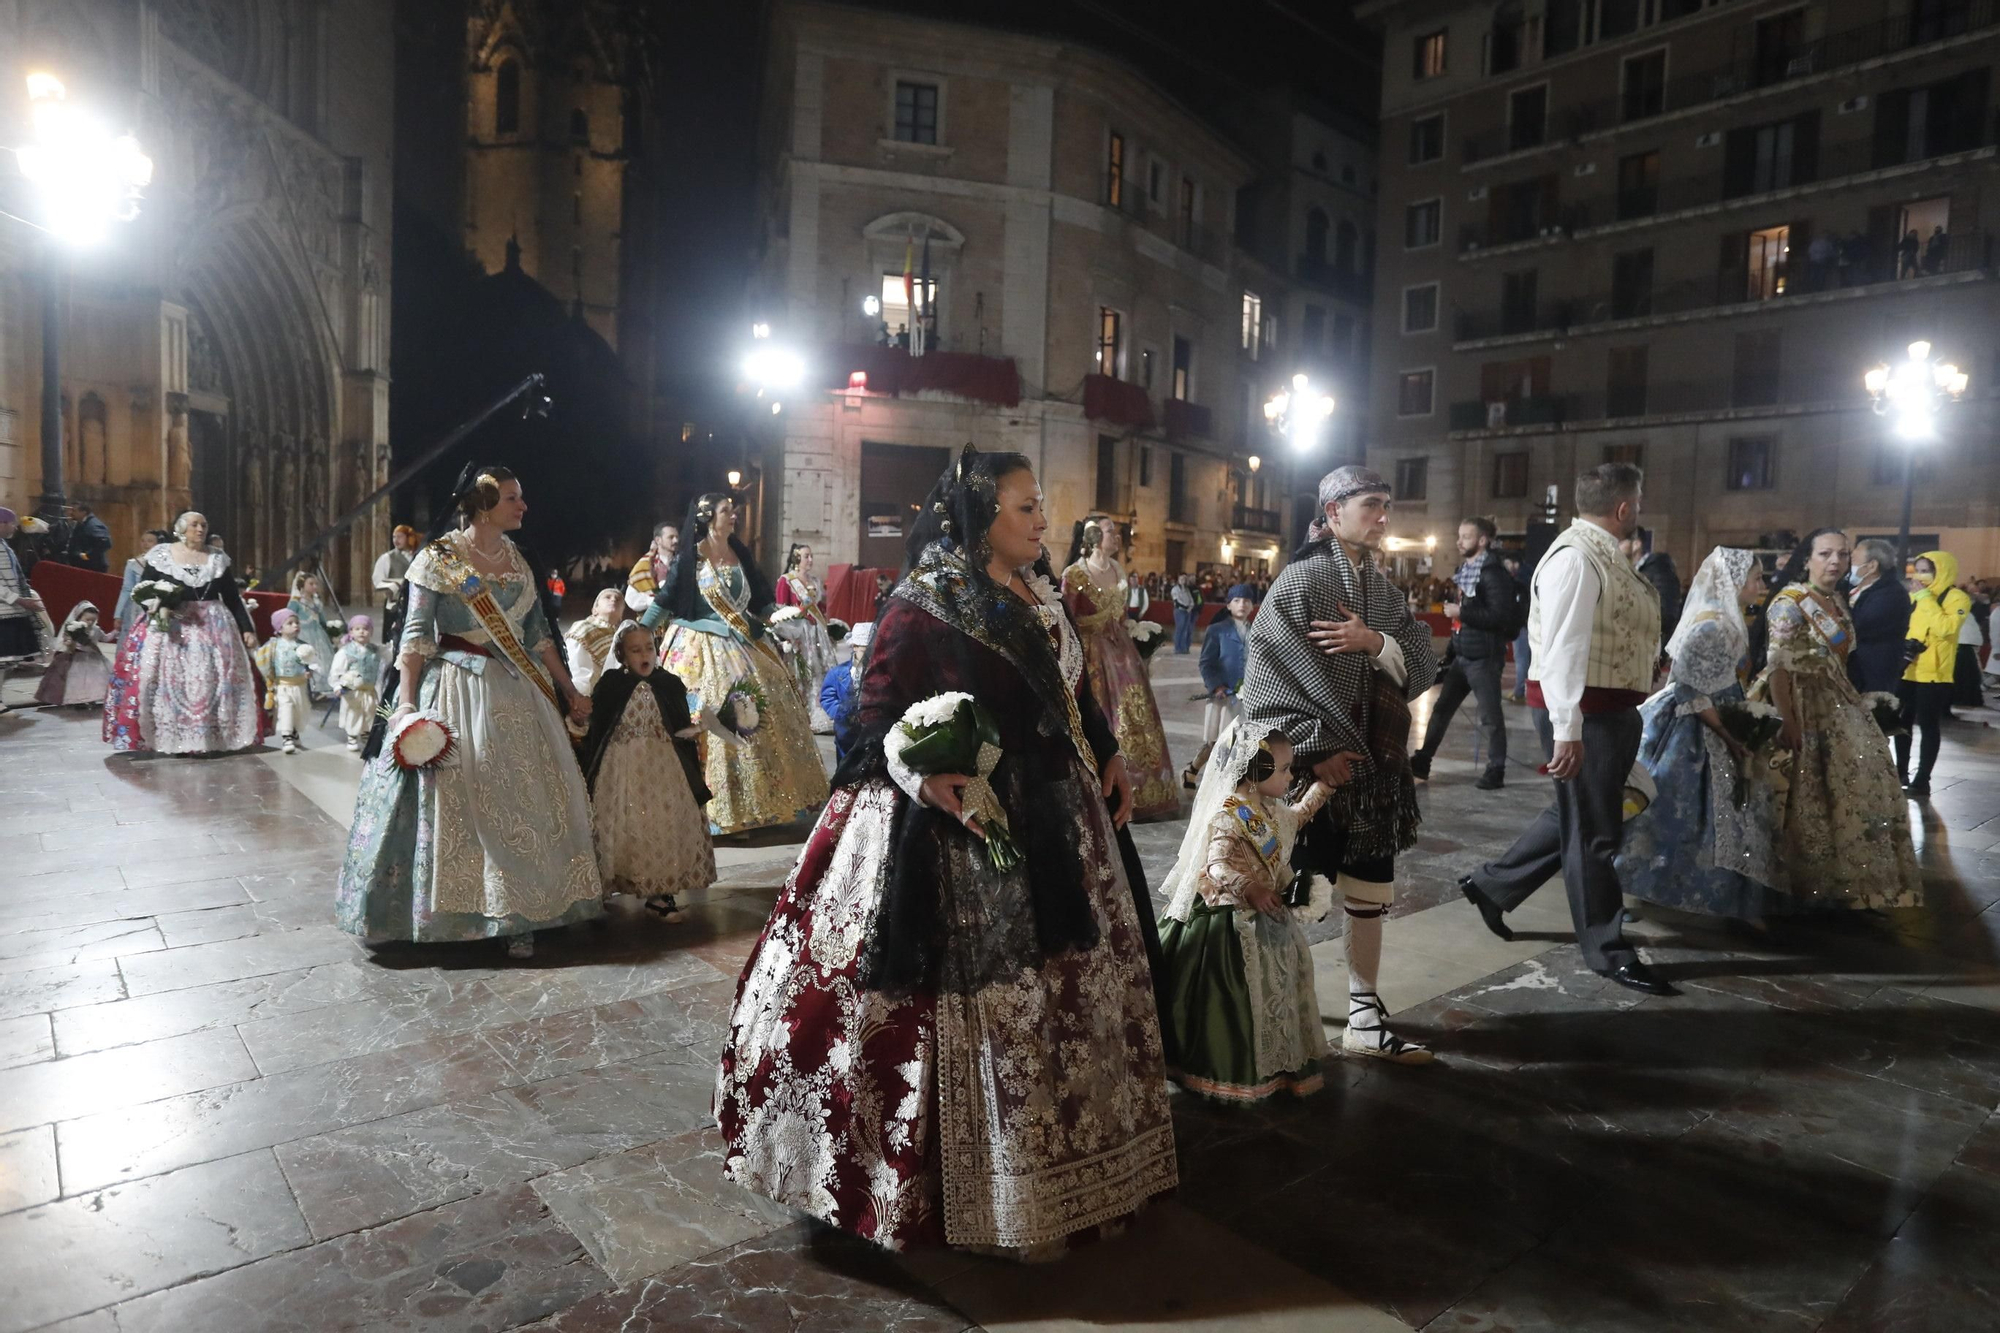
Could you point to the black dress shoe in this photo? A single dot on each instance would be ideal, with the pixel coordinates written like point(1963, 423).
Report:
point(1420, 767)
point(1491, 781)
point(1637, 976)
point(1489, 911)
point(1918, 790)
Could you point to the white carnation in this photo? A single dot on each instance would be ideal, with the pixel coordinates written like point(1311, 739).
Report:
point(936, 710)
point(1759, 709)
point(784, 613)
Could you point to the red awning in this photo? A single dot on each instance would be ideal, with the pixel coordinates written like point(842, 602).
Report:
point(1113, 400)
point(893, 371)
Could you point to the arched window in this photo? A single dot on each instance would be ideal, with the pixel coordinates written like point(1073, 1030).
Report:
point(1316, 225)
point(507, 98)
point(1346, 241)
point(579, 126)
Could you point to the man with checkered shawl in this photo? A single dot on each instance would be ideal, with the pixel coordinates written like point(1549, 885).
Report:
point(1335, 658)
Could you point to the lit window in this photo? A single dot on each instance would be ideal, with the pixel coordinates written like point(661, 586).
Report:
point(1253, 324)
point(896, 306)
point(1110, 335)
point(1114, 171)
point(1429, 59)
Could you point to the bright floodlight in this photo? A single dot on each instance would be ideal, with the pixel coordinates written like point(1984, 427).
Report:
point(87, 176)
point(1299, 382)
point(1913, 391)
point(774, 368)
point(760, 330)
point(871, 305)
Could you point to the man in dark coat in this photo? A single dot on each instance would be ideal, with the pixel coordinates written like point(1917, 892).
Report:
point(1881, 611)
point(89, 539)
point(1657, 568)
point(1484, 616)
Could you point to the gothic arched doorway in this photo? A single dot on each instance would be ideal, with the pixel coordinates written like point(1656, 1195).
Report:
point(259, 458)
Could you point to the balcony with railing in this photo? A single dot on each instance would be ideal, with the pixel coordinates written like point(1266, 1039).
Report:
point(1185, 420)
point(1856, 264)
point(1761, 66)
point(1243, 518)
point(1538, 410)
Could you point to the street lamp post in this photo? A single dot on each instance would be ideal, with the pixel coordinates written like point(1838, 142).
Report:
point(1297, 415)
point(1912, 393)
point(87, 178)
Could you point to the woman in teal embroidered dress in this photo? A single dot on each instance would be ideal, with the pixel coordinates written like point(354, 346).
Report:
point(718, 645)
point(495, 840)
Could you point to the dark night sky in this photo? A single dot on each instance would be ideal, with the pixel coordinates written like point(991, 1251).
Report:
point(1202, 54)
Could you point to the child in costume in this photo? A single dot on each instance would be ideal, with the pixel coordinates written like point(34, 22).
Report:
point(316, 630)
point(841, 689)
point(587, 645)
point(1225, 648)
point(1241, 1003)
point(79, 675)
point(645, 778)
point(287, 662)
point(357, 671)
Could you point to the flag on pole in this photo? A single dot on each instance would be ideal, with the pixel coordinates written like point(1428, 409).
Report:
point(923, 321)
point(909, 294)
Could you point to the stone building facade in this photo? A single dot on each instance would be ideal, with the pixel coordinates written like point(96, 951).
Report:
point(1671, 233)
point(228, 349)
point(1092, 308)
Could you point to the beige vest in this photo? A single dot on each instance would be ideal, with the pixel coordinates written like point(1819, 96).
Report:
point(1625, 626)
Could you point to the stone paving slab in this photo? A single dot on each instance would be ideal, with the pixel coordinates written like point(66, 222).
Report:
point(219, 1112)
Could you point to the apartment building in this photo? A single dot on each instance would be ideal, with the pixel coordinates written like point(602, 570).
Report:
point(1678, 232)
point(1069, 233)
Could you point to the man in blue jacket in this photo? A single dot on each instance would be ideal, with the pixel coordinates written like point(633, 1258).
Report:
point(1224, 650)
point(841, 690)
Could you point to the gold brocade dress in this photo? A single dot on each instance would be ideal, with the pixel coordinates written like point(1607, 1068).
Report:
point(1124, 690)
point(1847, 824)
point(775, 775)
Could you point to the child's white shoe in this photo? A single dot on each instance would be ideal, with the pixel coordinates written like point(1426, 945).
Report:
point(291, 746)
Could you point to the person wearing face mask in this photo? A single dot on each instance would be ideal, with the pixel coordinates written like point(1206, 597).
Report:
point(1881, 615)
point(1847, 827)
point(719, 643)
point(1938, 606)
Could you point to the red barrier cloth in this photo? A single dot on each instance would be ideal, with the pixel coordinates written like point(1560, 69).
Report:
point(1122, 404)
point(894, 372)
point(850, 592)
point(61, 587)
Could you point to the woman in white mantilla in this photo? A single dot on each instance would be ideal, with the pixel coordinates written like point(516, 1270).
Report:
point(719, 646)
point(494, 840)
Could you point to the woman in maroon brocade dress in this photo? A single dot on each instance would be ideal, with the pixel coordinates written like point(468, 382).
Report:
point(925, 1049)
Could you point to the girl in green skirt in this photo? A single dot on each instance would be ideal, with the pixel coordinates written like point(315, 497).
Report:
point(1239, 973)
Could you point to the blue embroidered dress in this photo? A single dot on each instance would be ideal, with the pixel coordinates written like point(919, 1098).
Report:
point(496, 839)
point(1694, 849)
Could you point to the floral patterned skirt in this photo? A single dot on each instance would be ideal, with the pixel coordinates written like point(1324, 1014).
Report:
point(1030, 1110)
point(810, 654)
point(186, 689)
point(775, 776)
point(651, 836)
point(1124, 691)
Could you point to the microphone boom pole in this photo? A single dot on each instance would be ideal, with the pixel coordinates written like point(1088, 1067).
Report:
point(404, 474)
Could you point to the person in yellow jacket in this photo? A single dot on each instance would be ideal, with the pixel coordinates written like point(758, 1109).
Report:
point(1938, 606)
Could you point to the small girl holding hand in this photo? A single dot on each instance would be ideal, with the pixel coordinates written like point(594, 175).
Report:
point(645, 778)
point(1242, 1007)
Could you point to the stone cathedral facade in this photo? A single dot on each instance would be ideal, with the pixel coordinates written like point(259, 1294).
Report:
point(228, 350)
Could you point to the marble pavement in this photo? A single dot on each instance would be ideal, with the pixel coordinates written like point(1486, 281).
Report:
point(218, 1112)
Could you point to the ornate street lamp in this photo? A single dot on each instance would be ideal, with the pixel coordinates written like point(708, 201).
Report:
point(1299, 413)
point(86, 178)
point(1911, 394)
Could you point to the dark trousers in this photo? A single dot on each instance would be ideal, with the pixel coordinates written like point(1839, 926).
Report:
point(1924, 705)
point(1321, 848)
point(1479, 677)
point(1578, 837)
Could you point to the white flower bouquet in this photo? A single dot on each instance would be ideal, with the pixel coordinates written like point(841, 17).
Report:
point(1888, 711)
point(1147, 635)
point(1756, 727)
point(952, 733)
point(158, 598)
point(742, 709)
point(418, 740)
point(783, 614)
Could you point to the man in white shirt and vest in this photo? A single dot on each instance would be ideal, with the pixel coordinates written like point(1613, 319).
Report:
point(1594, 631)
